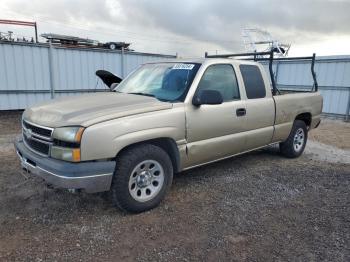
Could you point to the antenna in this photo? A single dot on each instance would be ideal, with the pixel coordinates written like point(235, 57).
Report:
point(258, 40)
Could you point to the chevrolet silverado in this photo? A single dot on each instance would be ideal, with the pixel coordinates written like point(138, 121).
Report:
point(162, 119)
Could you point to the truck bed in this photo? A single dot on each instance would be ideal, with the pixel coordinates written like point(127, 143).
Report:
point(290, 104)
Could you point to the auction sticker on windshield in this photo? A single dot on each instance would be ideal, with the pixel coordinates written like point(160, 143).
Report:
point(183, 66)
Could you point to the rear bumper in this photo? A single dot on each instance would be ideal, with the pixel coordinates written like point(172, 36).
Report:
point(91, 176)
point(319, 122)
point(316, 121)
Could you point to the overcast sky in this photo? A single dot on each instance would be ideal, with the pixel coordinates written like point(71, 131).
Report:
point(190, 27)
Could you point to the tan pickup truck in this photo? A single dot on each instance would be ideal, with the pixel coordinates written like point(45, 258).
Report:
point(162, 119)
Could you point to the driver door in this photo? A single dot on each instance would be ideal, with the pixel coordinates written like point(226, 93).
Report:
point(216, 131)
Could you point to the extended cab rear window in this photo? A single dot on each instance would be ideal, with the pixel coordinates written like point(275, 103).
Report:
point(253, 81)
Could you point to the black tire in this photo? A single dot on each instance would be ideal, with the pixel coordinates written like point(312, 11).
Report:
point(287, 147)
point(126, 162)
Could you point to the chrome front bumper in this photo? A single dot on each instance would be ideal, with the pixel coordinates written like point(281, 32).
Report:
point(91, 176)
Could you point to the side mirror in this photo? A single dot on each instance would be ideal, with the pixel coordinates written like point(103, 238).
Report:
point(108, 78)
point(207, 97)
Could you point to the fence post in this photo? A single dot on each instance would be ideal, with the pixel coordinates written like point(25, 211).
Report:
point(51, 71)
point(276, 73)
point(348, 107)
point(122, 63)
point(36, 33)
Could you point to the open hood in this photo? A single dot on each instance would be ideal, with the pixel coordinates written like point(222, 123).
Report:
point(108, 78)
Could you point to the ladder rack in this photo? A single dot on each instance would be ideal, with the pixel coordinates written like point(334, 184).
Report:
point(269, 56)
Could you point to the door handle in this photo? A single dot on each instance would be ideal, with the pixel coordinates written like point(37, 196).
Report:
point(241, 112)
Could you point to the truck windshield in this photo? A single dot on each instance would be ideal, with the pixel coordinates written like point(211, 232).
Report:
point(164, 81)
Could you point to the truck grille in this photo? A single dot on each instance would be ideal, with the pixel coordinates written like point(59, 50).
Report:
point(38, 130)
point(37, 138)
point(37, 146)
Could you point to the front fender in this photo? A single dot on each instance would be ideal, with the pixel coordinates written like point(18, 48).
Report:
point(123, 141)
point(104, 140)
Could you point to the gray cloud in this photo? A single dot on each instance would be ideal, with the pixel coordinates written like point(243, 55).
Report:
point(222, 20)
point(209, 24)
point(63, 10)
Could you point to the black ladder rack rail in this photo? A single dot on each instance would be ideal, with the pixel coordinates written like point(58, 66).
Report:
point(256, 56)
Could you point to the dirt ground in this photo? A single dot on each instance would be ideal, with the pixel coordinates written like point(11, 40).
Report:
point(255, 207)
point(333, 132)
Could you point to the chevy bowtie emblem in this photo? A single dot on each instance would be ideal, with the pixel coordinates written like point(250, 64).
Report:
point(28, 133)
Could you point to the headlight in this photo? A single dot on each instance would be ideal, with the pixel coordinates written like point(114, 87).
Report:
point(64, 153)
point(67, 143)
point(68, 134)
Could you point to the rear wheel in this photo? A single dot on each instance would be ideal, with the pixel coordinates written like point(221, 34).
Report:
point(295, 144)
point(142, 177)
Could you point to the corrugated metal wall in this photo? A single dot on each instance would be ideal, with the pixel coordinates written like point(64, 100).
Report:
point(27, 72)
point(333, 76)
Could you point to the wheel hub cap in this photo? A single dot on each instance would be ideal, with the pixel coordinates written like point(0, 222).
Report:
point(299, 138)
point(146, 180)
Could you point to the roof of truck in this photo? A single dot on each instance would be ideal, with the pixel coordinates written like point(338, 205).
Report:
point(203, 60)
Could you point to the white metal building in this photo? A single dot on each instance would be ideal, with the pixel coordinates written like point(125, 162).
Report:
point(30, 73)
point(333, 77)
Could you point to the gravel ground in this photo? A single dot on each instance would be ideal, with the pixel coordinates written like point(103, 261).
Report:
point(255, 207)
point(333, 132)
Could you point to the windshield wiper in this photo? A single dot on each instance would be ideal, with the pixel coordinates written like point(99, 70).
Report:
point(142, 94)
point(146, 94)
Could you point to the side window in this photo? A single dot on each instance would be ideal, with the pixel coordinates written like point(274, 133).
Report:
point(253, 81)
point(221, 78)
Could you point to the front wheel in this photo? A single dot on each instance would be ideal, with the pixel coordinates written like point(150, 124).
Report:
point(295, 144)
point(142, 177)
